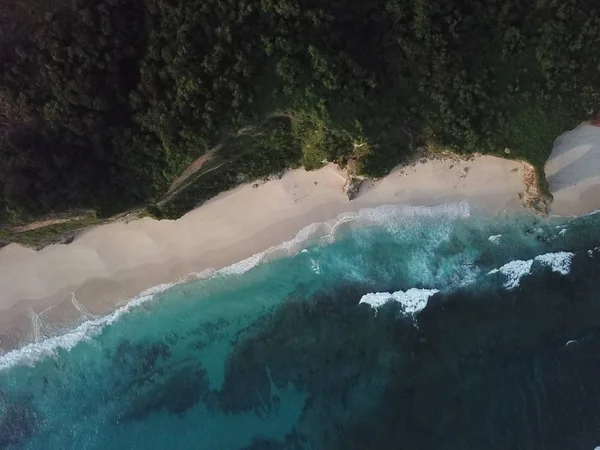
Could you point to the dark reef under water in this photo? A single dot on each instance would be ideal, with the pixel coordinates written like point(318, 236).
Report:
point(486, 369)
point(293, 361)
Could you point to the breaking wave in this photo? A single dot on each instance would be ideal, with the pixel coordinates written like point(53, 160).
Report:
point(314, 234)
point(31, 353)
point(412, 301)
point(559, 262)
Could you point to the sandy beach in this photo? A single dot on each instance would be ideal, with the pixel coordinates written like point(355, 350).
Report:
point(105, 266)
point(573, 171)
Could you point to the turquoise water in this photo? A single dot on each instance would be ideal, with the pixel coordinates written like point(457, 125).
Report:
point(473, 332)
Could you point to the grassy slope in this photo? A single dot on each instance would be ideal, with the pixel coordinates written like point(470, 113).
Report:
point(51, 234)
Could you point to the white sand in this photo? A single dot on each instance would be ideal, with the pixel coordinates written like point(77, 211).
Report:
point(573, 171)
point(114, 262)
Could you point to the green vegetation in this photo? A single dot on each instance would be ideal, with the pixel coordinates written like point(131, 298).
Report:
point(247, 156)
point(103, 103)
point(62, 230)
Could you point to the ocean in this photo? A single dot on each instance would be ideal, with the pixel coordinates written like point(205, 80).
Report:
point(394, 328)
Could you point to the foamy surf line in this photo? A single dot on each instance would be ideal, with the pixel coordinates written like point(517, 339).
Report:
point(32, 353)
point(325, 232)
point(381, 215)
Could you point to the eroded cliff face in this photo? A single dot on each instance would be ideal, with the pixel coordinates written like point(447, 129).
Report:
point(533, 197)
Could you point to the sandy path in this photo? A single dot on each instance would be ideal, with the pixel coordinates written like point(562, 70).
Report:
point(42, 224)
point(192, 169)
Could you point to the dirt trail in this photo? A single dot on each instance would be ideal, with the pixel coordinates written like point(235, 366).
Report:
point(44, 223)
point(192, 169)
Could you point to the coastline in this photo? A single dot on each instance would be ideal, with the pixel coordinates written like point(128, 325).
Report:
point(111, 263)
point(42, 292)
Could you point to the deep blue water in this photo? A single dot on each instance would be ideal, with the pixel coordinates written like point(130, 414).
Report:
point(284, 356)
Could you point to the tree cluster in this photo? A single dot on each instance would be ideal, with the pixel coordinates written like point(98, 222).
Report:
point(104, 102)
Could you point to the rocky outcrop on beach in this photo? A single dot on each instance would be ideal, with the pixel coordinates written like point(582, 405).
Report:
point(352, 187)
point(353, 181)
point(533, 197)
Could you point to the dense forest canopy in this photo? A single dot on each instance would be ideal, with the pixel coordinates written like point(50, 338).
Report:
point(104, 102)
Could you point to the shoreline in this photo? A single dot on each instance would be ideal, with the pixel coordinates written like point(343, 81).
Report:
point(111, 263)
point(42, 292)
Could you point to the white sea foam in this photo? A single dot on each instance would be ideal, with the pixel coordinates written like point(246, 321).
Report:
point(203, 275)
point(515, 270)
point(559, 262)
point(495, 239)
point(33, 352)
point(314, 265)
point(563, 232)
point(290, 246)
point(387, 213)
point(242, 266)
point(326, 231)
point(593, 213)
point(413, 300)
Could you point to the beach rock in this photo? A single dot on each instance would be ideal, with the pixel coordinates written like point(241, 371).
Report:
point(533, 197)
point(352, 187)
point(273, 177)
